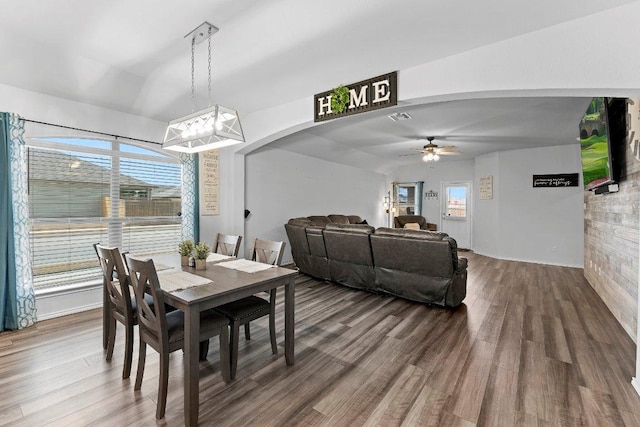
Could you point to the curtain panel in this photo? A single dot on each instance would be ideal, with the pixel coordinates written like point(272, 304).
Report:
point(190, 208)
point(17, 299)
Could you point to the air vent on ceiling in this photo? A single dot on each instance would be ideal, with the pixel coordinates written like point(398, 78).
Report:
point(400, 116)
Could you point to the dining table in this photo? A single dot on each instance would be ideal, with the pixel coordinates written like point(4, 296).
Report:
point(225, 284)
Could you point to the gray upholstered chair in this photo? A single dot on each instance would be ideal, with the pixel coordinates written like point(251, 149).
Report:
point(245, 310)
point(401, 220)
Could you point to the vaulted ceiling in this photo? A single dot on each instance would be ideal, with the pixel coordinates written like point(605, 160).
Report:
point(131, 56)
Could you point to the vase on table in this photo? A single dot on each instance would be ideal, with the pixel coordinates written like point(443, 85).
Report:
point(184, 260)
point(201, 264)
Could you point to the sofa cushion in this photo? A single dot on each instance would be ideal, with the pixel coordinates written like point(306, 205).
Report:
point(319, 220)
point(302, 222)
point(412, 226)
point(351, 228)
point(355, 219)
point(411, 234)
point(339, 219)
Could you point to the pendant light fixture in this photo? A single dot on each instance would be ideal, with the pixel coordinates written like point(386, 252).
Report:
point(213, 127)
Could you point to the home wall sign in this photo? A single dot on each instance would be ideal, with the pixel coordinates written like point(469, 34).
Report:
point(367, 95)
point(555, 180)
point(209, 183)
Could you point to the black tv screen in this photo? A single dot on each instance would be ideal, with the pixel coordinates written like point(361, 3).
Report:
point(595, 145)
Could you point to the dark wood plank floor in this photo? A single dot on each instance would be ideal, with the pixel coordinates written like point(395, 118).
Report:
point(532, 345)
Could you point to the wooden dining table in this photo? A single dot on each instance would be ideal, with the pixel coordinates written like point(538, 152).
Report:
point(227, 285)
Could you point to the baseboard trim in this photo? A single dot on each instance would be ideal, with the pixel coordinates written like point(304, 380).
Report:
point(527, 260)
point(635, 384)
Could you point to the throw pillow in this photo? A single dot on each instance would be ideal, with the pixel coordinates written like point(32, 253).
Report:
point(364, 221)
point(412, 226)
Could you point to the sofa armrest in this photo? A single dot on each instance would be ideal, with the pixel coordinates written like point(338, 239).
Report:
point(462, 264)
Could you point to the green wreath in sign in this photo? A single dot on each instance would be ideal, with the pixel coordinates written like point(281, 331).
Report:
point(339, 99)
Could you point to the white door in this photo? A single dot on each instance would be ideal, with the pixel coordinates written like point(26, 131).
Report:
point(455, 209)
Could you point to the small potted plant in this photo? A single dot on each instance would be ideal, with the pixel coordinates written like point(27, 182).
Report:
point(202, 252)
point(185, 249)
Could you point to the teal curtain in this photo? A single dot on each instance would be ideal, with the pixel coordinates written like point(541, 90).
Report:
point(190, 208)
point(17, 299)
point(419, 196)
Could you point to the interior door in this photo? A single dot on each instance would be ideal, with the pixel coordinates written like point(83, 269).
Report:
point(455, 208)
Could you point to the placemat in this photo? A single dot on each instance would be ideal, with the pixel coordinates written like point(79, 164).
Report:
point(171, 281)
point(245, 265)
point(213, 257)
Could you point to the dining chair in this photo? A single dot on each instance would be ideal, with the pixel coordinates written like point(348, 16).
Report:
point(227, 244)
point(164, 332)
point(122, 307)
point(224, 244)
point(243, 311)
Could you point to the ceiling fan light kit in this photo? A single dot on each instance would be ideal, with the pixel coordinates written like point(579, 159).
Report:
point(210, 128)
point(431, 152)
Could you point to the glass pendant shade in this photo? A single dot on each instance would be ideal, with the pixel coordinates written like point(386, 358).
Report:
point(208, 129)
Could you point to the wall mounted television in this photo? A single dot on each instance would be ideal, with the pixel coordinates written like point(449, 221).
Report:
point(599, 133)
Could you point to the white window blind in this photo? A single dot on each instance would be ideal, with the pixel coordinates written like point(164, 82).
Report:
point(85, 191)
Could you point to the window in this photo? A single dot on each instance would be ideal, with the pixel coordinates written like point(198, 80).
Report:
point(456, 202)
point(84, 191)
point(406, 198)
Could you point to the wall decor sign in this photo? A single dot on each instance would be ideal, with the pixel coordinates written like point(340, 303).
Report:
point(209, 183)
point(367, 95)
point(486, 187)
point(431, 194)
point(556, 180)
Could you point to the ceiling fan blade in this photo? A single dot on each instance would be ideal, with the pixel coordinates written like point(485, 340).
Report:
point(449, 153)
point(411, 154)
point(448, 148)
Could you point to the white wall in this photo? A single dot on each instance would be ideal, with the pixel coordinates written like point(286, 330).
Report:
point(525, 223)
point(433, 174)
point(281, 185)
point(45, 108)
point(534, 221)
point(520, 222)
point(486, 231)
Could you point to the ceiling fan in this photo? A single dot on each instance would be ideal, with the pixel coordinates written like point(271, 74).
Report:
point(431, 151)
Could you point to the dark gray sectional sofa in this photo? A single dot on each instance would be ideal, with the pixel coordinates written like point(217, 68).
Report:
point(417, 265)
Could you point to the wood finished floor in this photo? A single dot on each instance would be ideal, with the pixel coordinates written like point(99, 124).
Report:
point(531, 345)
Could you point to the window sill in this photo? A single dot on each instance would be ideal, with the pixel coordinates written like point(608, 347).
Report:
point(67, 289)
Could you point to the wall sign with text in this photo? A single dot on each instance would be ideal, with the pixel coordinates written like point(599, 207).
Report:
point(486, 187)
point(209, 184)
point(556, 180)
point(367, 95)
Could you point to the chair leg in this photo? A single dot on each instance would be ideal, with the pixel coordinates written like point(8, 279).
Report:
point(225, 364)
point(128, 351)
point(204, 350)
point(142, 354)
point(272, 322)
point(111, 342)
point(235, 337)
point(247, 332)
point(163, 385)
